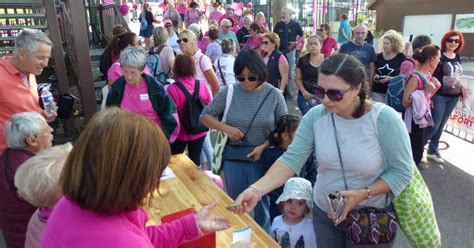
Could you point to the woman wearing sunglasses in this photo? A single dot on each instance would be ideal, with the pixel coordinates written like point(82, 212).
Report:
point(307, 74)
point(226, 32)
point(276, 62)
point(449, 73)
point(254, 110)
point(353, 140)
point(329, 44)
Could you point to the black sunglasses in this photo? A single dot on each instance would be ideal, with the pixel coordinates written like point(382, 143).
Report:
point(241, 78)
point(320, 29)
point(452, 40)
point(168, 26)
point(182, 40)
point(265, 42)
point(335, 95)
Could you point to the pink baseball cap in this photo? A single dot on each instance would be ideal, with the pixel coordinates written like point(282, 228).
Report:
point(167, 21)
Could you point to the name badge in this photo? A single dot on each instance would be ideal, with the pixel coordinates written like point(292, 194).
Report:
point(143, 97)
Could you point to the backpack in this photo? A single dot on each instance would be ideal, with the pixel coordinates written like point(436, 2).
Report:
point(396, 87)
point(153, 61)
point(192, 110)
point(143, 24)
point(105, 62)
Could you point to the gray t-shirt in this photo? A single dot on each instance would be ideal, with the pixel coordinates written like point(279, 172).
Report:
point(243, 106)
point(365, 53)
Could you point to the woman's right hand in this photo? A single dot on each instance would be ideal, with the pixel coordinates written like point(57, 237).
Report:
point(246, 201)
point(234, 133)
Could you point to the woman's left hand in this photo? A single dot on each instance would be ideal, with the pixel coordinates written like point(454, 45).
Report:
point(463, 93)
point(354, 198)
point(208, 222)
point(257, 152)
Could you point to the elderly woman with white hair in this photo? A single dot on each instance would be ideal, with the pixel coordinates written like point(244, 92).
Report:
point(37, 181)
point(226, 32)
point(140, 93)
point(27, 133)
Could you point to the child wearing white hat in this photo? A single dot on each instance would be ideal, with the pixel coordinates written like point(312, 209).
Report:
point(292, 229)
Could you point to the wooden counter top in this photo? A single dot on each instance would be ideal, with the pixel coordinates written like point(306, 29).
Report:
point(192, 188)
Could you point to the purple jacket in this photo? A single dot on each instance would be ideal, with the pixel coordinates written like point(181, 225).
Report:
point(419, 111)
point(14, 211)
point(71, 226)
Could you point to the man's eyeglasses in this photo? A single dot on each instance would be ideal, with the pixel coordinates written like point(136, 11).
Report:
point(335, 95)
point(182, 40)
point(241, 78)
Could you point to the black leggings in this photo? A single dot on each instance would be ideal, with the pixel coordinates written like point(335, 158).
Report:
point(194, 148)
point(417, 141)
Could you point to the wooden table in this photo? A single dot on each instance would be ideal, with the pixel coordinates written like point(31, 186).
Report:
point(192, 188)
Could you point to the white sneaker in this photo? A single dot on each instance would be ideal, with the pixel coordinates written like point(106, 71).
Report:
point(424, 159)
point(435, 157)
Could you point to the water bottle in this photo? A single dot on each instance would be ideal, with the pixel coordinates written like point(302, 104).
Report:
point(48, 100)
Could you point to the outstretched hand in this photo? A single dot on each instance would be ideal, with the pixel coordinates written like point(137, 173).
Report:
point(246, 201)
point(208, 222)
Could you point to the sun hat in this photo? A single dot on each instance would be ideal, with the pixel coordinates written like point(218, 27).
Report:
point(297, 188)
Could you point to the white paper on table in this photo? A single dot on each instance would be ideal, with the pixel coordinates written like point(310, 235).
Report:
point(243, 235)
point(167, 174)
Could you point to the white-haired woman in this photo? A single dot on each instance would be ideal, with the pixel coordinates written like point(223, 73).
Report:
point(139, 93)
point(27, 133)
point(226, 32)
point(388, 63)
point(37, 181)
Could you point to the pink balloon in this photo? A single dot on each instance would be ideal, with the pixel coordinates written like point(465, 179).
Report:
point(241, 5)
point(235, 6)
point(238, 12)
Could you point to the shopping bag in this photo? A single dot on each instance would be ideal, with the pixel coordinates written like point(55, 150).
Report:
point(222, 137)
point(416, 215)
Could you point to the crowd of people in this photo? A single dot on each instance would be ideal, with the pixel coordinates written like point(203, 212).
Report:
point(235, 78)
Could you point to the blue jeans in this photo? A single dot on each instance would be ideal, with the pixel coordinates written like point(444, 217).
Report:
point(303, 104)
point(207, 152)
point(442, 107)
point(238, 176)
point(291, 57)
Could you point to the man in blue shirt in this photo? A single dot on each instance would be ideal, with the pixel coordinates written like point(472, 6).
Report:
point(287, 30)
point(364, 52)
point(344, 34)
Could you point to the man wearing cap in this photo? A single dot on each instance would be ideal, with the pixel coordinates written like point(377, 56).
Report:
point(229, 15)
point(287, 29)
point(17, 77)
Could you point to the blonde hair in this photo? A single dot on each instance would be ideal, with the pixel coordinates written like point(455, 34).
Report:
point(274, 38)
point(37, 179)
point(189, 34)
point(398, 43)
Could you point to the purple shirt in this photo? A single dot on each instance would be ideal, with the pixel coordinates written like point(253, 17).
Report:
point(215, 15)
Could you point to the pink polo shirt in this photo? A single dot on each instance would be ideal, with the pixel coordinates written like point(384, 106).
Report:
point(15, 95)
point(179, 99)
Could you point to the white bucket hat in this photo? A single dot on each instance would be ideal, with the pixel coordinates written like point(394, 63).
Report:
point(297, 188)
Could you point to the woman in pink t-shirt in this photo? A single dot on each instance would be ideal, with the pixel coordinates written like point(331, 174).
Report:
point(184, 70)
point(140, 93)
point(260, 20)
point(216, 14)
point(328, 44)
point(255, 40)
point(110, 175)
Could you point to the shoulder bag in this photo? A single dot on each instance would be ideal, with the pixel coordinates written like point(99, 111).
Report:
point(368, 225)
point(238, 152)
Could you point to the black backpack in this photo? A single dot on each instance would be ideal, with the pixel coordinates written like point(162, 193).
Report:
point(192, 110)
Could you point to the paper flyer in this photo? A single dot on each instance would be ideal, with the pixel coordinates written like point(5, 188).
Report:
point(243, 235)
point(167, 174)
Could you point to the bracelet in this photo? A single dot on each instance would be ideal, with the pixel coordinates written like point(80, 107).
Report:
point(256, 190)
point(369, 192)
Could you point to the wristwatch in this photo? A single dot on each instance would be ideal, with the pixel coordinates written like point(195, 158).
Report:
point(369, 193)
